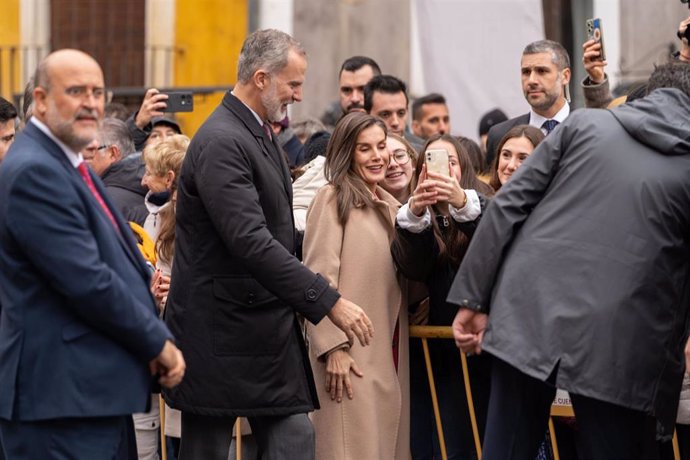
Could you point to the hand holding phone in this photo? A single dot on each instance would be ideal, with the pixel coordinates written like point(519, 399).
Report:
point(179, 101)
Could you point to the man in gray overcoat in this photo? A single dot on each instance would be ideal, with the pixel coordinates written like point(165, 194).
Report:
point(578, 278)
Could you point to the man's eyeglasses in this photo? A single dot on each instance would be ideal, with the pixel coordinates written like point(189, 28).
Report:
point(84, 91)
point(80, 92)
point(96, 149)
point(402, 157)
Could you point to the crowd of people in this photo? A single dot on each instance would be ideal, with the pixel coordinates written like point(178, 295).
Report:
point(270, 270)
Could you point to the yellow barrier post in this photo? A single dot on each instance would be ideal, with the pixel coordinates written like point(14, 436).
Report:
point(161, 408)
point(434, 399)
point(238, 439)
point(557, 411)
point(554, 445)
point(470, 404)
point(445, 332)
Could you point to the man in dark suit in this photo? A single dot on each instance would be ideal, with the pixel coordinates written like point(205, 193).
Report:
point(236, 284)
point(79, 335)
point(545, 70)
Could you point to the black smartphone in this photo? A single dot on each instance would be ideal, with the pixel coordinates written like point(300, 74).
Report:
point(596, 32)
point(179, 101)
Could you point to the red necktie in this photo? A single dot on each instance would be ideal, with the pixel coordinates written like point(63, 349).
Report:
point(84, 171)
point(267, 130)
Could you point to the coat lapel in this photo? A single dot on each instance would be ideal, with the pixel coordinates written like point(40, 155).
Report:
point(283, 167)
point(387, 207)
point(269, 148)
point(124, 238)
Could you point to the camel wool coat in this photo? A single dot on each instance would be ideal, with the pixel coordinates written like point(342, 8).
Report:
point(356, 260)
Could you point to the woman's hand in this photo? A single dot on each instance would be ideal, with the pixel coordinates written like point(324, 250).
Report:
point(160, 285)
point(424, 194)
point(339, 364)
point(448, 189)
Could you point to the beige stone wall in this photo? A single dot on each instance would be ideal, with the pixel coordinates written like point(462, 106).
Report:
point(333, 30)
point(648, 30)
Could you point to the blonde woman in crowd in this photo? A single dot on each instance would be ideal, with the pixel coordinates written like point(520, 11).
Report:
point(163, 161)
point(363, 392)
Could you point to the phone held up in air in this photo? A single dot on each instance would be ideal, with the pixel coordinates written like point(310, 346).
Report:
point(437, 161)
point(596, 32)
point(179, 101)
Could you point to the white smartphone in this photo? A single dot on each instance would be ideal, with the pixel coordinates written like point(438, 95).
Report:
point(437, 161)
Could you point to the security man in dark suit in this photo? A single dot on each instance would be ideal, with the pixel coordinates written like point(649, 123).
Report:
point(545, 70)
point(79, 334)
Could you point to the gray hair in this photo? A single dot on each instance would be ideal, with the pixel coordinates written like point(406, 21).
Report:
point(115, 132)
point(559, 56)
point(265, 49)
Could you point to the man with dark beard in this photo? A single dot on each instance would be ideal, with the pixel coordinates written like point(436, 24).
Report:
point(545, 70)
point(355, 73)
point(236, 284)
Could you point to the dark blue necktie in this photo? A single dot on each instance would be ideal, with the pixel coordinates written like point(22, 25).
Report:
point(549, 125)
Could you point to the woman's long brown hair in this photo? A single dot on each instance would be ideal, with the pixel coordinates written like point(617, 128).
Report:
point(452, 244)
point(351, 190)
point(534, 135)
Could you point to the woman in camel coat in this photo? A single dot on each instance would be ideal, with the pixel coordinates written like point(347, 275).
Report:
point(363, 392)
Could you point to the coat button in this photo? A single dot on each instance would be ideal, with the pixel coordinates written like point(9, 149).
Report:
point(250, 298)
point(311, 294)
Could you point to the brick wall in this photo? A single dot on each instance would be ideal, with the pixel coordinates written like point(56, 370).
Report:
point(111, 31)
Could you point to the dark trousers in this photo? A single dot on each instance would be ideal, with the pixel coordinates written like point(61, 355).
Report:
point(666, 447)
point(97, 438)
point(452, 400)
point(519, 408)
point(278, 437)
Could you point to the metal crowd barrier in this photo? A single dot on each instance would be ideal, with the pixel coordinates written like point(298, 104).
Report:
point(445, 332)
point(425, 333)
